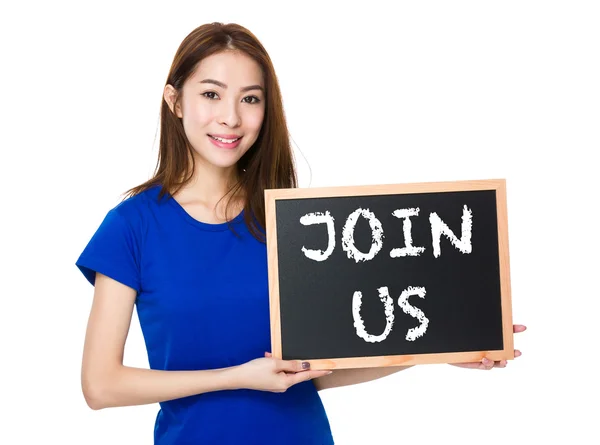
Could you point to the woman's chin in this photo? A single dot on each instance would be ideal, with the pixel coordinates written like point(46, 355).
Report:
point(222, 162)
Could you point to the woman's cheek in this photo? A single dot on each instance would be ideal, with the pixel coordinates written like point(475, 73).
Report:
point(256, 121)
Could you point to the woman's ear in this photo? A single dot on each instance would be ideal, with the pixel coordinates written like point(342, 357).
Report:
point(170, 96)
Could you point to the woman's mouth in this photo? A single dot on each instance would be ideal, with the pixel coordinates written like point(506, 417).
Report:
point(225, 141)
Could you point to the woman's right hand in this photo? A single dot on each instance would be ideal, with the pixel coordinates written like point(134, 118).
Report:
point(274, 375)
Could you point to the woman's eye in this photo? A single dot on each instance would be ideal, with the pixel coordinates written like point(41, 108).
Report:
point(210, 95)
point(251, 99)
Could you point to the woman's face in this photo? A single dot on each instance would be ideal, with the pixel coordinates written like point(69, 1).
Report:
point(222, 107)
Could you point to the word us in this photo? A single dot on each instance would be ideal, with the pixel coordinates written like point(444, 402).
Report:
point(388, 303)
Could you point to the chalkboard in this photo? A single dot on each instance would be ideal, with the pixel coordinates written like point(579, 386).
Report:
point(383, 275)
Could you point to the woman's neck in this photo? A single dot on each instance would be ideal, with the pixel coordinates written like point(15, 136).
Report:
point(207, 188)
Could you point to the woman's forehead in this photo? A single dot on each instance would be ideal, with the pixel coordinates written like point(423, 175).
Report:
point(233, 68)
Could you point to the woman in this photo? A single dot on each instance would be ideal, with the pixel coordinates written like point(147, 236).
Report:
point(187, 249)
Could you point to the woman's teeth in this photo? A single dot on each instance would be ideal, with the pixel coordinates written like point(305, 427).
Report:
point(227, 141)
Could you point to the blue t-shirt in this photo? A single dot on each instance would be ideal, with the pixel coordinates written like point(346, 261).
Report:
point(203, 303)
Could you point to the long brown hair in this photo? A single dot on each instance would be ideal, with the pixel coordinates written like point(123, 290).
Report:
point(268, 164)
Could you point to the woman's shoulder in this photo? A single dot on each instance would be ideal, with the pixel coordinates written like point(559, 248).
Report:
point(140, 206)
point(141, 201)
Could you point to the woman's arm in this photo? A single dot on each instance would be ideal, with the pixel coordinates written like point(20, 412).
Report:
point(346, 377)
point(106, 382)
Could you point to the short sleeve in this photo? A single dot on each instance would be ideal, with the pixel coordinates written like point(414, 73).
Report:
point(114, 251)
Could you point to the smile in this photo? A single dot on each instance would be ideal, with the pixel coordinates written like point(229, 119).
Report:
point(226, 141)
point(229, 143)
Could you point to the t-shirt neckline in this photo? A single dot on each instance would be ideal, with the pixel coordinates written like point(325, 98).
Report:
point(213, 227)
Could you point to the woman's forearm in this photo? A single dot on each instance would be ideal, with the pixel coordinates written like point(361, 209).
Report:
point(346, 377)
point(127, 386)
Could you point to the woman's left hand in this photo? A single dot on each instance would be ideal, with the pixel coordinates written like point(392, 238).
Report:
point(489, 364)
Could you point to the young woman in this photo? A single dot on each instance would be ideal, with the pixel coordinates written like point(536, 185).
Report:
point(187, 249)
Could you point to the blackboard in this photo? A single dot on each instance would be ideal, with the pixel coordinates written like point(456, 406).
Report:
point(382, 275)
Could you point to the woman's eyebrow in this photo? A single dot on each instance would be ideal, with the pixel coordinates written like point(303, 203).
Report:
point(222, 85)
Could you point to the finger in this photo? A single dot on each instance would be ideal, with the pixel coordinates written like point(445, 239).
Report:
point(468, 365)
point(292, 365)
point(501, 364)
point(517, 353)
point(268, 355)
point(317, 374)
point(487, 364)
point(306, 375)
point(519, 328)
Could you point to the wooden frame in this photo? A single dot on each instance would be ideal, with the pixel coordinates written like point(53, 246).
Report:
point(499, 185)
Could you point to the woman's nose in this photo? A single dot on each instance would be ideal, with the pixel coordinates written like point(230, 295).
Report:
point(229, 115)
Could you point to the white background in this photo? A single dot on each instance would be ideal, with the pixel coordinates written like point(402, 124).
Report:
point(374, 93)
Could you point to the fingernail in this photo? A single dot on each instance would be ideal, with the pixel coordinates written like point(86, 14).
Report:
point(305, 365)
point(329, 372)
point(486, 361)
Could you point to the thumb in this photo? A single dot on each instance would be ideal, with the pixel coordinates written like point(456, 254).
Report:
point(268, 355)
point(292, 365)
